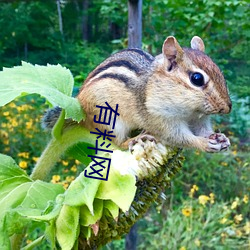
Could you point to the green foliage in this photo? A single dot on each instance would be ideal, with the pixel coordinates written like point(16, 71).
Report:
point(81, 58)
point(222, 24)
point(238, 122)
point(19, 198)
point(232, 166)
point(198, 224)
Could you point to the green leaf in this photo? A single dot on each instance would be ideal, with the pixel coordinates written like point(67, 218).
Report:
point(9, 168)
point(14, 198)
point(86, 232)
point(20, 197)
point(9, 220)
point(82, 191)
point(51, 215)
point(112, 207)
point(67, 226)
point(25, 202)
point(119, 188)
point(4, 240)
point(39, 194)
point(87, 218)
point(6, 186)
point(14, 223)
point(53, 82)
point(50, 234)
point(80, 152)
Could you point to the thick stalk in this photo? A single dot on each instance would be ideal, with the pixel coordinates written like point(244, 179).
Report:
point(57, 147)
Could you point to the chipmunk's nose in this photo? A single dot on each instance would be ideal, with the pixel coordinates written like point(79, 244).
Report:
point(227, 108)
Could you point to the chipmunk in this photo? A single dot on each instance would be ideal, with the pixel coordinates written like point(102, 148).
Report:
point(170, 96)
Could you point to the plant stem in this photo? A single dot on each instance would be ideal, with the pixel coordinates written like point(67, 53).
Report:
point(57, 146)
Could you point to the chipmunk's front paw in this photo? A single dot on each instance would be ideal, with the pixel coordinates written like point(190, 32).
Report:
point(217, 142)
point(141, 139)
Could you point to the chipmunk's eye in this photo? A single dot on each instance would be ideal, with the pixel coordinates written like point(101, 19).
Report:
point(197, 79)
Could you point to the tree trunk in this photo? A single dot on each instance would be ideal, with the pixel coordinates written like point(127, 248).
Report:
point(59, 16)
point(85, 23)
point(135, 23)
point(131, 238)
point(134, 41)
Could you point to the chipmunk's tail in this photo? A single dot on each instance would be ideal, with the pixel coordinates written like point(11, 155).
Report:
point(50, 117)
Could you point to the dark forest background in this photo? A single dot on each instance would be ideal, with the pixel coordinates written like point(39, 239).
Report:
point(81, 33)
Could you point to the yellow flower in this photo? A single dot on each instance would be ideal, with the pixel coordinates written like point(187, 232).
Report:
point(187, 211)
point(24, 107)
point(12, 105)
point(65, 185)
point(29, 124)
point(77, 162)
point(193, 190)
point(247, 227)
point(24, 154)
point(35, 159)
point(211, 195)
point(238, 218)
point(6, 141)
point(65, 163)
point(55, 178)
point(4, 134)
point(23, 164)
point(245, 199)
point(19, 108)
point(203, 199)
point(6, 113)
point(235, 203)
point(223, 220)
point(234, 152)
point(197, 242)
point(14, 123)
point(73, 168)
point(183, 248)
point(224, 164)
point(70, 178)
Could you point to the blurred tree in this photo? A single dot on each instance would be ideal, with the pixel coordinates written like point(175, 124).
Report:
point(134, 23)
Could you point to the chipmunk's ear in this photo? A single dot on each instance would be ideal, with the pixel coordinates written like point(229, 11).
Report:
point(171, 49)
point(197, 43)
